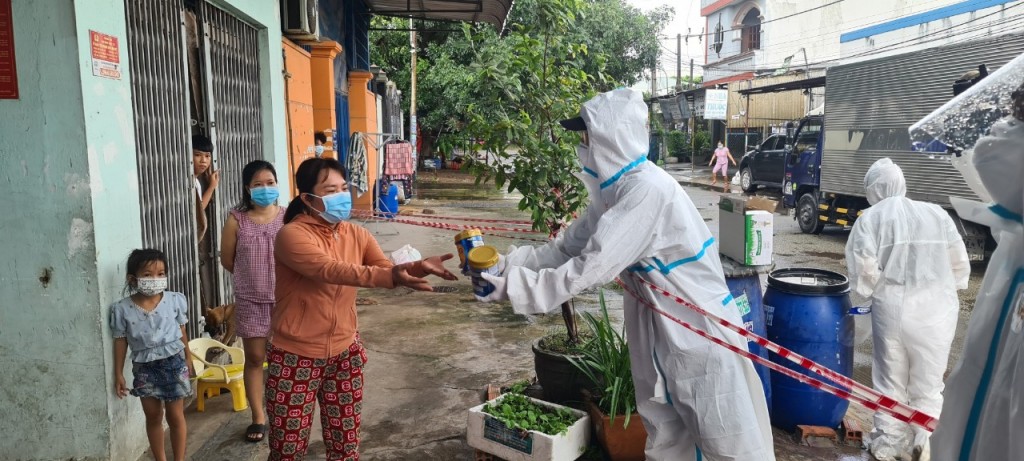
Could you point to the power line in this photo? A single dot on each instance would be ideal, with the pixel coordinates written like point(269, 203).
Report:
point(803, 39)
point(709, 33)
point(886, 17)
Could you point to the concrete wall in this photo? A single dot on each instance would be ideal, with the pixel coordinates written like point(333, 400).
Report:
point(300, 106)
point(70, 181)
point(877, 28)
point(815, 31)
point(65, 152)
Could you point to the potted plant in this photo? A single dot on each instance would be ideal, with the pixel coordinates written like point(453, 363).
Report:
point(612, 402)
point(515, 427)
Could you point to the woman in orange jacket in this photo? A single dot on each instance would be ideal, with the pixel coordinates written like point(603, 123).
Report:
point(315, 353)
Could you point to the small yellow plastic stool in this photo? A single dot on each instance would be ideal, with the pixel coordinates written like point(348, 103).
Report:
point(212, 378)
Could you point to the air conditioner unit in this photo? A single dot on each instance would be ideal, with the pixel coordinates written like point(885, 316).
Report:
point(300, 19)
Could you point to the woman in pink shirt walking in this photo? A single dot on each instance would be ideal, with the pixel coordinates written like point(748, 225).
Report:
point(247, 251)
point(721, 160)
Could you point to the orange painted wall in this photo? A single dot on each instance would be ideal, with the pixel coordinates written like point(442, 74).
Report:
point(322, 59)
point(362, 105)
point(299, 92)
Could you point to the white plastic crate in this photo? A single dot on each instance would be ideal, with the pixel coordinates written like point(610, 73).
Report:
point(486, 433)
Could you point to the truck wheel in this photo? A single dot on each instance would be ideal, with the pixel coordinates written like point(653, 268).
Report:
point(807, 215)
point(747, 180)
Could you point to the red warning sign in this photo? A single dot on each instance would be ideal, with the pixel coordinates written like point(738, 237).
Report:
point(8, 69)
point(106, 55)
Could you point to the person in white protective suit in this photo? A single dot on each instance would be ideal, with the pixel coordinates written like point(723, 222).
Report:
point(983, 414)
point(908, 258)
point(691, 393)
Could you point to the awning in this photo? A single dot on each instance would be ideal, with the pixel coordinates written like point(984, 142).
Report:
point(493, 12)
point(807, 83)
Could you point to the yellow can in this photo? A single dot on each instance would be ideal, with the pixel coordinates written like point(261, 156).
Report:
point(483, 260)
point(465, 241)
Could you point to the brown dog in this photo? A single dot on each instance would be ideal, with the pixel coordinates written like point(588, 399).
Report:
point(220, 323)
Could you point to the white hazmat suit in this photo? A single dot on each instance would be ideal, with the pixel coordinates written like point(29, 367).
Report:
point(909, 259)
point(690, 392)
point(983, 414)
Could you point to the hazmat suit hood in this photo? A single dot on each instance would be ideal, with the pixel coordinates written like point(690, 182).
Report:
point(997, 157)
point(884, 180)
point(617, 129)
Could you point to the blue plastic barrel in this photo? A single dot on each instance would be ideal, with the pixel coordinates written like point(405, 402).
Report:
point(808, 311)
point(389, 202)
point(745, 285)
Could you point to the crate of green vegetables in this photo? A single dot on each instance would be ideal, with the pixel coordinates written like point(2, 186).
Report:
point(515, 427)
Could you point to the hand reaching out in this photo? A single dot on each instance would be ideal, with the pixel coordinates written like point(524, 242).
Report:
point(433, 265)
point(412, 274)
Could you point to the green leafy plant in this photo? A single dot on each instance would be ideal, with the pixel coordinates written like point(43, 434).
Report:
point(517, 411)
point(679, 144)
point(606, 362)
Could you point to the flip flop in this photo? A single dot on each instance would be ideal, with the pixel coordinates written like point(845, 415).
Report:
point(255, 433)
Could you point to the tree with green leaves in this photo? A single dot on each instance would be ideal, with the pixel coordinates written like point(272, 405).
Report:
point(626, 37)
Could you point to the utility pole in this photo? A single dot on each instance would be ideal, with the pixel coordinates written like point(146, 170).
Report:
point(688, 85)
point(654, 78)
point(679, 62)
point(693, 115)
point(412, 95)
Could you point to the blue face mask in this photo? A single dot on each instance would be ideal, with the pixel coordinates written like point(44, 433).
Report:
point(319, 151)
point(337, 207)
point(264, 196)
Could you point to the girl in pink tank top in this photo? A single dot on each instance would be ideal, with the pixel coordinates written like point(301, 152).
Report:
point(247, 251)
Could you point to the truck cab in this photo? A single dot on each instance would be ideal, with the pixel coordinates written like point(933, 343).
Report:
point(802, 183)
point(803, 159)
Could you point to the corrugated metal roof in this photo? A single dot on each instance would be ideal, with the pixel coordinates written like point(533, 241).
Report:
point(494, 12)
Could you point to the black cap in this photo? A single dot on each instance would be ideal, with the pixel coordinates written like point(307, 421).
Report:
point(574, 124)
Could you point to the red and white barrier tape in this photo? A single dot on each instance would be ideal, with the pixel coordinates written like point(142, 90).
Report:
point(873, 400)
point(444, 225)
point(459, 218)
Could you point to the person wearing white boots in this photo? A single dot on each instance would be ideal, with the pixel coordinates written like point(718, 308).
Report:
point(909, 260)
point(691, 393)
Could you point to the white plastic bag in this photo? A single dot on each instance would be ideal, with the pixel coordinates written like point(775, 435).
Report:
point(406, 254)
point(736, 179)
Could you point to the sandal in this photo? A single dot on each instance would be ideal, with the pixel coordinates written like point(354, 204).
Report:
point(255, 433)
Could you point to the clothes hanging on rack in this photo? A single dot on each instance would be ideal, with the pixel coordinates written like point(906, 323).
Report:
point(398, 159)
point(399, 166)
point(357, 167)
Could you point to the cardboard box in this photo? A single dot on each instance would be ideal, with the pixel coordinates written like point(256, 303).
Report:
point(746, 229)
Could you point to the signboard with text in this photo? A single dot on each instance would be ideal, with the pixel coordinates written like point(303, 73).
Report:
point(8, 67)
point(106, 55)
point(716, 104)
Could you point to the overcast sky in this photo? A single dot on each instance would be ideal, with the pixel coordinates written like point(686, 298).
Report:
point(687, 16)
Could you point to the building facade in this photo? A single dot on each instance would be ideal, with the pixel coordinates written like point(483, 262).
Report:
point(733, 38)
point(879, 28)
point(95, 147)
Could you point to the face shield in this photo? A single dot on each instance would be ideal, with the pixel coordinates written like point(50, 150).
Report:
point(969, 116)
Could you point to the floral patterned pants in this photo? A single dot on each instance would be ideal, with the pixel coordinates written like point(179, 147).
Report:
point(296, 383)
